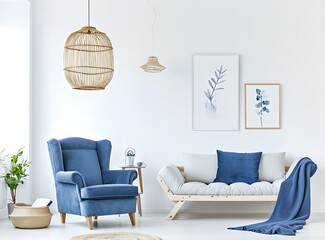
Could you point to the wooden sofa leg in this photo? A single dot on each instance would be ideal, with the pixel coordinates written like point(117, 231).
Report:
point(175, 210)
point(89, 222)
point(132, 218)
point(63, 217)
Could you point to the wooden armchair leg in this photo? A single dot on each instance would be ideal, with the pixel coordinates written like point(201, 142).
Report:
point(132, 218)
point(89, 222)
point(63, 217)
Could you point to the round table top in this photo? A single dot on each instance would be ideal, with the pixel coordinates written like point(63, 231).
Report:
point(133, 166)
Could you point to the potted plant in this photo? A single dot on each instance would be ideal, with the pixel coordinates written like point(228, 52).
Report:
point(14, 175)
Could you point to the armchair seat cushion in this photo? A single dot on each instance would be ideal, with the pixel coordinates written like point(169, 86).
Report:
point(109, 191)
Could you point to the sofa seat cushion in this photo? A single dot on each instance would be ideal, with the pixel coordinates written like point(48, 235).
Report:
point(109, 191)
point(238, 188)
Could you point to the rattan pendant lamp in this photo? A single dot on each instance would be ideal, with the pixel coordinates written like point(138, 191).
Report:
point(153, 65)
point(88, 58)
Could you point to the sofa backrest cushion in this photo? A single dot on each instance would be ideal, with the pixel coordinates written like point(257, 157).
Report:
point(172, 177)
point(200, 167)
point(238, 167)
point(272, 166)
point(203, 167)
point(292, 166)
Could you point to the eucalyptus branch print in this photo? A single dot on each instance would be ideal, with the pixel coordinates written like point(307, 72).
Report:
point(214, 83)
point(261, 105)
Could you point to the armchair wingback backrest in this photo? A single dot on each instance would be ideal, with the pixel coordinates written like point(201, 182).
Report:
point(86, 156)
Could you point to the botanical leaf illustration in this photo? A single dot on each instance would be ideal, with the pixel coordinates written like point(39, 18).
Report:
point(221, 81)
point(206, 93)
point(213, 83)
point(262, 102)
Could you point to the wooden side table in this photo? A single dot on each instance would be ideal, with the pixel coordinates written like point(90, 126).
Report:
point(139, 170)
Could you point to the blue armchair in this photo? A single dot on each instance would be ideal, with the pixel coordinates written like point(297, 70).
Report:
point(84, 184)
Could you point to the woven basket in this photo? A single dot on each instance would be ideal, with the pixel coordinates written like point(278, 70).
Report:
point(25, 216)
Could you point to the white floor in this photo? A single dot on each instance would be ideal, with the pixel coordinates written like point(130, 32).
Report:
point(188, 226)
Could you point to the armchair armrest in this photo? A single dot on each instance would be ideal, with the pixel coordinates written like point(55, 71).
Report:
point(119, 176)
point(71, 177)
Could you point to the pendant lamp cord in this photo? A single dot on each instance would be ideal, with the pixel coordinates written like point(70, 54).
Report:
point(152, 26)
point(88, 12)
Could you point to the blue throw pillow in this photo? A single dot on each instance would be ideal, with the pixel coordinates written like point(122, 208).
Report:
point(238, 167)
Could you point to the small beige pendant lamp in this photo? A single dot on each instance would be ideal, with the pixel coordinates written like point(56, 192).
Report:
point(153, 65)
point(88, 58)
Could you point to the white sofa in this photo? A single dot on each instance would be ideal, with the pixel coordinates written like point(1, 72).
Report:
point(194, 181)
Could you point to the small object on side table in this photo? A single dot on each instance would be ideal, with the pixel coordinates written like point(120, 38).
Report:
point(129, 156)
point(141, 164)
point(138, 168)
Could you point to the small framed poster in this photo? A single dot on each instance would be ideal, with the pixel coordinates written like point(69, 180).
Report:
point(262, 106)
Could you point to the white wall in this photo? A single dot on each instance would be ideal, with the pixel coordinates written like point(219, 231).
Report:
point(14, 82)
point(278, 41)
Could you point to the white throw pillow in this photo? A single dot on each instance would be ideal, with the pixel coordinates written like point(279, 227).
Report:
point(200, 167)
point(272, 166)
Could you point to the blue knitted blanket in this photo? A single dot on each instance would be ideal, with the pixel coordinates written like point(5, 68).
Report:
point(292, 208)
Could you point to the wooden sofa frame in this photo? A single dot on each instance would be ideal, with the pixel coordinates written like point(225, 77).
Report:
point(179, 200)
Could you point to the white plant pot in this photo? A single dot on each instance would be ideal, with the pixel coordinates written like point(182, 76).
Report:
point(129, 161)
point(3, 194)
